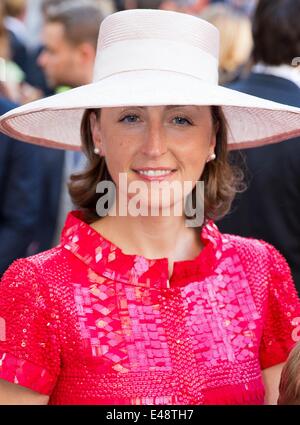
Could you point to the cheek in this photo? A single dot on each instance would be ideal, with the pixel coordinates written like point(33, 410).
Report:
point(114, 147)
point(197, 163)
point(72, 61)
point(59, 61)
point(49, 60)
point(115, 144)
point(193, 158)
point(118, 153)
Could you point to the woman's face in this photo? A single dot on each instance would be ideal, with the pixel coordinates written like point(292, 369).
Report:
point(156, 143)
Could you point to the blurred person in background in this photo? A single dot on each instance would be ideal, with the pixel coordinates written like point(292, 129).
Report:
point(185, 6)
point(270, 208)
point(118, 4)
point(11, 74)
point(20, 173)
point(21, 170)
point(18, 89)
point(235, 39)
point(106, 6)
point(137, 4)
point(244, 6)
point(69, 43)
point(15, 11)
point(70, 37)
point(33, 22)
point(35, 17)
point(20, 180)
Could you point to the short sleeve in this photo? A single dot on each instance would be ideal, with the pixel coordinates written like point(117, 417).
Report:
point(29, 343)
point(281, 313)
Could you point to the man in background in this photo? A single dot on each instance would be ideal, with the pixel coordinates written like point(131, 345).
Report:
point(69, 44)
point(270, 208)
point(70, 38)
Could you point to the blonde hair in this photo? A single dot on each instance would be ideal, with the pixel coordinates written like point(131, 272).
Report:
point(289, 387)
point(235, 35)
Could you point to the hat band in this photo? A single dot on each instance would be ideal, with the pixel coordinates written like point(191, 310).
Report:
point(135, 55)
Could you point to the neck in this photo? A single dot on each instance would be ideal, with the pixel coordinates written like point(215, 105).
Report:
point(152, 237)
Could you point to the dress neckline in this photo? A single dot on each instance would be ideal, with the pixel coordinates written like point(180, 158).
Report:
point(108, 260)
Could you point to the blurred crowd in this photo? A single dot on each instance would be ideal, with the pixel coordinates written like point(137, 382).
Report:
point(47, 46)
point(32, 56)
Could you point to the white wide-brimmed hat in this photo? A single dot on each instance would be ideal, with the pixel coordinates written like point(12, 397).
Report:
point(151, 58)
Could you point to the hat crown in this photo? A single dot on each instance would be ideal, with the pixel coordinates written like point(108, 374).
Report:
point(161, 25)
point(150, 39)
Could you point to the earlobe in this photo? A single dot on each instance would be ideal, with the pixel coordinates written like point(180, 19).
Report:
point(211, 157)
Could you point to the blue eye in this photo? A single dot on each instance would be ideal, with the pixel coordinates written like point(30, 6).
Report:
point(182, 120)
point(132, 118)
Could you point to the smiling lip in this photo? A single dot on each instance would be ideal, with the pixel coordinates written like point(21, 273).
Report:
point(160, 173)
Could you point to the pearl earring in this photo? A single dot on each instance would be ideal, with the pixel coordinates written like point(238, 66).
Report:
point(211, 157)
point(96, 151)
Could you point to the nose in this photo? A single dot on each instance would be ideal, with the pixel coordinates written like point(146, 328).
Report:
point(155, 143)
point(41, 60)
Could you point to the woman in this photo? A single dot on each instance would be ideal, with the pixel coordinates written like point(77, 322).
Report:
point(139, 306)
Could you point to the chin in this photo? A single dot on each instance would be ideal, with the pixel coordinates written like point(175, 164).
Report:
point(155, 207)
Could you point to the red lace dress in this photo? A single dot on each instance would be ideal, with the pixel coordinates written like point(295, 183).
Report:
point(87, 324)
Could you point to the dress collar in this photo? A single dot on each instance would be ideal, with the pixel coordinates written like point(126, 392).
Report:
point(109, 261)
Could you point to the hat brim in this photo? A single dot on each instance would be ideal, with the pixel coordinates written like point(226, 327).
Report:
point(55, 121)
